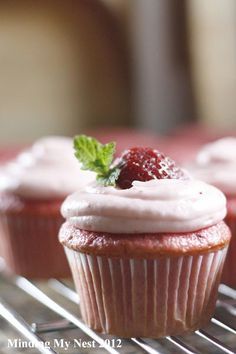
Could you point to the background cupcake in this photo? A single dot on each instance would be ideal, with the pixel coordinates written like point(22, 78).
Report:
point(146, 244)
point(32, 188)
point(216, 164)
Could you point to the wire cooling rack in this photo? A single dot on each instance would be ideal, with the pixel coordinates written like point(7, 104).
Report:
point(56, 296)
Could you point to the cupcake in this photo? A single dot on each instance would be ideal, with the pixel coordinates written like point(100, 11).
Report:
point(216, 164)
point(32, 188)
point(146, 244)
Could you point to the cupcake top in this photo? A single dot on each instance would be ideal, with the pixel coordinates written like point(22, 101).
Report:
point(216, 164)
point(142, 192)
point(46, 170)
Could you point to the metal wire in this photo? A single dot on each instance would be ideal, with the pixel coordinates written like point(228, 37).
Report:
point(183, 346)
point(69, 321)
point(36, 293)
point(215, 341)
point(19, 323)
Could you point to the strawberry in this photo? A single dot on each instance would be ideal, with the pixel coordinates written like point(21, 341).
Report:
point(144, 164)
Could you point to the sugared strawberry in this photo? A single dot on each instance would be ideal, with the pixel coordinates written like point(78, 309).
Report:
point(144, 164)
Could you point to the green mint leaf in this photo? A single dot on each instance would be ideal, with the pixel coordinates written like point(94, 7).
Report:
point(110, 178)
point(86, 151)
point(96, 157)
point(107, 153)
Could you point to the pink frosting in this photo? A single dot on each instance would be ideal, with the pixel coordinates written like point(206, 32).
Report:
point(47, 170)
point(168, 205)
point(216, 164)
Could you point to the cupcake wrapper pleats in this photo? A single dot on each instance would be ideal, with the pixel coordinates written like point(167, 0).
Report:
point(30, 246)
point(147, 297)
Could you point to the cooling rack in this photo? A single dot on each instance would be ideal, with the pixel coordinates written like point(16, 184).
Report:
point(55, 296)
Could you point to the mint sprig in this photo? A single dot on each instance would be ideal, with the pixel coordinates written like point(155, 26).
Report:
point(97, 157)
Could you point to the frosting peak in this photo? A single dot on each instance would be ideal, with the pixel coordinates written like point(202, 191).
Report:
point(167, 205)
point(220, 151)
point(216, 164)
point(46, 170)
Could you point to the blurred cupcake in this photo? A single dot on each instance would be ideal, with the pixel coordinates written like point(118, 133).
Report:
point(216, 164)
point(32, 188)
point(146, 244)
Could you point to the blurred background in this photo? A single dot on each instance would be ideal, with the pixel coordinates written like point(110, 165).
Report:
point(162, 66)
point(160, 73)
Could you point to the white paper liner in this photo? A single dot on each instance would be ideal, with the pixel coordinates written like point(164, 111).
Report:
point(30, 246)
point(148, 298)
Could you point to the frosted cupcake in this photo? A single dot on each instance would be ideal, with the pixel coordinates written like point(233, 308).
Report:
point(216, 164)
point(146, 244)
point(32, 188)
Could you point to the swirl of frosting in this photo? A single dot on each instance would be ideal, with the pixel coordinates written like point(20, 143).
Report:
point(46, 170)
point(216, 164)
point(167, 205)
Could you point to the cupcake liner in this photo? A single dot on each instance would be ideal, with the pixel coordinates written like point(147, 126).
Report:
point(30, 246)
point(147, 297)
point(229, 270)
